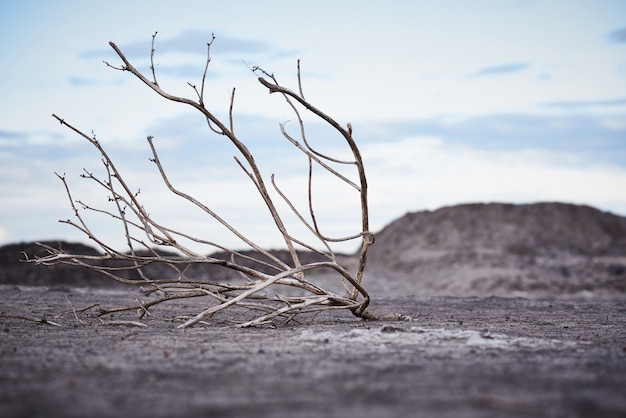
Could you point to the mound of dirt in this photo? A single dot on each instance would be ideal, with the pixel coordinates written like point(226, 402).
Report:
point(14, 268)
point(544, 250)
point(535, 250)
point(452, 357)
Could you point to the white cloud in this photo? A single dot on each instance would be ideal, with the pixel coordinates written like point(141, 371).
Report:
point(427, 173)
point(411, 174)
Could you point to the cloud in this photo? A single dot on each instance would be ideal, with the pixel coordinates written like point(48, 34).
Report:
point(504, 69)
point(190, 42)
point(81, 81)
point(410, 165)
point(78, 81)
point(184, 55)
point(429, 172)
point(25, 143)
point(588, 103)
point(184, 71)
point(598, 138)
point(197, 163)
point(11, 135)
point(618, 35)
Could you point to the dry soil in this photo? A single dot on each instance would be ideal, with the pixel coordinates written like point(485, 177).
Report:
point(457, 357)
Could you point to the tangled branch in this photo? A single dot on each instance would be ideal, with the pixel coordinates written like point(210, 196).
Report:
point(257, 271)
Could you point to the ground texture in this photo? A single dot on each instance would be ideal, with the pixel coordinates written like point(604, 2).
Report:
point(521, 313)
point(457, 357)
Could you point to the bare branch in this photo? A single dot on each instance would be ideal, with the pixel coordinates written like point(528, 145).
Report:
point(152, 50)
point(206, 68)
point(257, 272)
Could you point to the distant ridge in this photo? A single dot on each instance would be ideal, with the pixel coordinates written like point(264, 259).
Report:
point(542, 249)
point(537, 250)
point(15, 270)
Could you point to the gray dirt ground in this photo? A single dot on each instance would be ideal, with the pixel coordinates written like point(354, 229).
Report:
point(458, 357)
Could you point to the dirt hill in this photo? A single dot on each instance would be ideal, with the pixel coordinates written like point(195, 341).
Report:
point(15, 270)
point(544, 249)
point(539, 250)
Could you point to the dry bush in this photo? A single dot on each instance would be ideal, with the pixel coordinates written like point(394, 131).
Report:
point(146, 238)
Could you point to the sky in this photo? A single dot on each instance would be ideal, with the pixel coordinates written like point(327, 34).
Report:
point(451, 102)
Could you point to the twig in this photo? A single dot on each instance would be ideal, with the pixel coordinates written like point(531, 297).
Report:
point(41, 320)
point(124, 323)
point(74, 311)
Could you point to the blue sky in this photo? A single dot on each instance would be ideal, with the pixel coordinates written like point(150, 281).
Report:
point(451, 102)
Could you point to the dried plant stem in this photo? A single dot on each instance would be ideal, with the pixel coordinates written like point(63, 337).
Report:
point(258, 272)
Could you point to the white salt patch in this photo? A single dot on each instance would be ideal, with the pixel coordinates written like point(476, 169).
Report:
point(418, 337)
